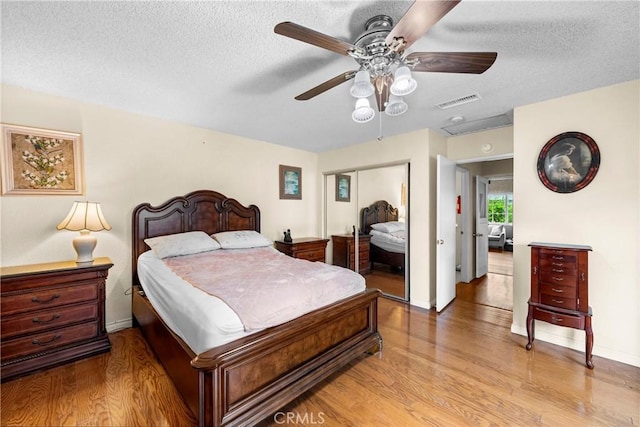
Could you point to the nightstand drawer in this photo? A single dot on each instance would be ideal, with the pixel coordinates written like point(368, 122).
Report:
point(576, 322)
point(36, 321)
point(311, 255)
point(42, 342)
point(48, 297)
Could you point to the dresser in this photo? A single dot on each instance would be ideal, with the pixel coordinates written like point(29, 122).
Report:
point(344, 252)
point(560, 290)
point(309, 248)
point(51, 314)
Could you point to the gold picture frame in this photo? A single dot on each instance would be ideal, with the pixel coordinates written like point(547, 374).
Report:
point(38, 161)
point(290, 182)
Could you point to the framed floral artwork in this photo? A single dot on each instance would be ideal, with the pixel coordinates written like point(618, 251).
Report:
point(290, 182)
point(41, 162)
point(568, 162)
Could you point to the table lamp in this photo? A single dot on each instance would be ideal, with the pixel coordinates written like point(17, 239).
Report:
point(84, 217)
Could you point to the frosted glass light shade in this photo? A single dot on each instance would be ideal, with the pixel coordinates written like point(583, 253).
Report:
point(395, 106)
point(403, 83)
point(362, 87)
point(363, 112)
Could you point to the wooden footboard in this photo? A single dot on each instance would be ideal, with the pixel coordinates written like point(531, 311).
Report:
point(247, 380)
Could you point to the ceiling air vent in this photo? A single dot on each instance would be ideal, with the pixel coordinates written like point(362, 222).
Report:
point(458, 101)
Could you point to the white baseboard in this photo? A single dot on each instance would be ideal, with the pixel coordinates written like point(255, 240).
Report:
point(118, 325)
point(578, 345)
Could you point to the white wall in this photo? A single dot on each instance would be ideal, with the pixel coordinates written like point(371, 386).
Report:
point(605, 214)
point(131, 159)
point(418, 148)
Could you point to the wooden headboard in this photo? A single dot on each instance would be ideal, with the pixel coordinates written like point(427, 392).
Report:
point(202, 210)
point(380, 211)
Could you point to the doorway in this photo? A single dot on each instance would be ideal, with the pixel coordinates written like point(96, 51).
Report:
point(495, 288)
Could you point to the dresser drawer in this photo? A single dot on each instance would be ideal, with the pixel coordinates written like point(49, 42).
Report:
point(40, 320)
point(558, 267)
point(559, 279)
point(576, 322)
point(562, 302)
point(44, 341)
point(558, 290)
point(558, 256)
point(47, 298)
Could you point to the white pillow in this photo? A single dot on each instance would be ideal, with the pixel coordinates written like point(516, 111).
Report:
point(241, 239)
point(389, 227)
point(496, 230)
point(191, 242)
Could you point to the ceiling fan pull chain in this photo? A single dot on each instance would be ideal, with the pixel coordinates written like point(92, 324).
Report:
point(380, 133)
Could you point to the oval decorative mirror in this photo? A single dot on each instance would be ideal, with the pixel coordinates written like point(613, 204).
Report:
point(568, 162)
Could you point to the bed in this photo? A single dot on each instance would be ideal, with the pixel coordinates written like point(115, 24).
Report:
point(248, 379)
point(381, 212)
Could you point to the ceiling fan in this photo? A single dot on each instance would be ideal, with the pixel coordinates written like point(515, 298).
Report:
point(384, 68)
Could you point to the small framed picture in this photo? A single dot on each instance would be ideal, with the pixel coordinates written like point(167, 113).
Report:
point(568, 162)
point(290, 182)
point(41, 162)
point(343, 188)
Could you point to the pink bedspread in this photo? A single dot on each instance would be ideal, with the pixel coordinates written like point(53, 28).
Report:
point(265, 287)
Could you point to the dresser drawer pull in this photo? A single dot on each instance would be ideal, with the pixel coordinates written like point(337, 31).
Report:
point(557, 257)
point(38, 342)
point(54, 296)
point(54, 317)
point(555, 319)
point(559, 279)
point(557, 290)
point(557, 301)
point(557, 270)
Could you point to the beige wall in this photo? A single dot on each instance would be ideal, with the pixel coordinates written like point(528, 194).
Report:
point(130, 159)
point(605, 214)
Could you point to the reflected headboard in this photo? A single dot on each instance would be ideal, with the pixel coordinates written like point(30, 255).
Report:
point(380, 211)
point(202, 210)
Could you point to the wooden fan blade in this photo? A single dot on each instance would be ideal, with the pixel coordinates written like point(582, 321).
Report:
point(421, 16)
point(329, 84)
point(307, 35)
point(382, 84)
point(452, 62)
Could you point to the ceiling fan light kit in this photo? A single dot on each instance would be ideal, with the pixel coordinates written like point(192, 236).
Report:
point(384, 68)
point(362, 87)
point(395, 106)
point(363, 112)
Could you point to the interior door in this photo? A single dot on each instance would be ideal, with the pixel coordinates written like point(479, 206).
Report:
point(482, 227)
point(445, 233)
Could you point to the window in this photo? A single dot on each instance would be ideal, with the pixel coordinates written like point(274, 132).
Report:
point(501, 208)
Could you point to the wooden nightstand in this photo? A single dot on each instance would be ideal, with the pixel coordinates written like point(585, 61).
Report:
point(344, 253)
point(51, 314)
point(309, 248)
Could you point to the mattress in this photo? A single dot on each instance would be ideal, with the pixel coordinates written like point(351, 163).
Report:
point(388, 241)
point(201, 319)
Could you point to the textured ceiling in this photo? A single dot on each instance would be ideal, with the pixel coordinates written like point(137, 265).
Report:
point(219, 65)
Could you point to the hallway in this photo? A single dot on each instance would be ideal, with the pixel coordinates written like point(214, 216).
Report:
point(495, 289)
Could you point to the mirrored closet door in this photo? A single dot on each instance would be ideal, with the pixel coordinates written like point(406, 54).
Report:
point(366, 222)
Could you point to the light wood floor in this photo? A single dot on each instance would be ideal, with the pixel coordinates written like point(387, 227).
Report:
point(460, 367)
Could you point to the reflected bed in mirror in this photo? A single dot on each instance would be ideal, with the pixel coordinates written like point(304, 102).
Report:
point(387, 248)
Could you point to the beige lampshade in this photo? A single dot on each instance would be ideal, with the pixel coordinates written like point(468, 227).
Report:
point(84, 216)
